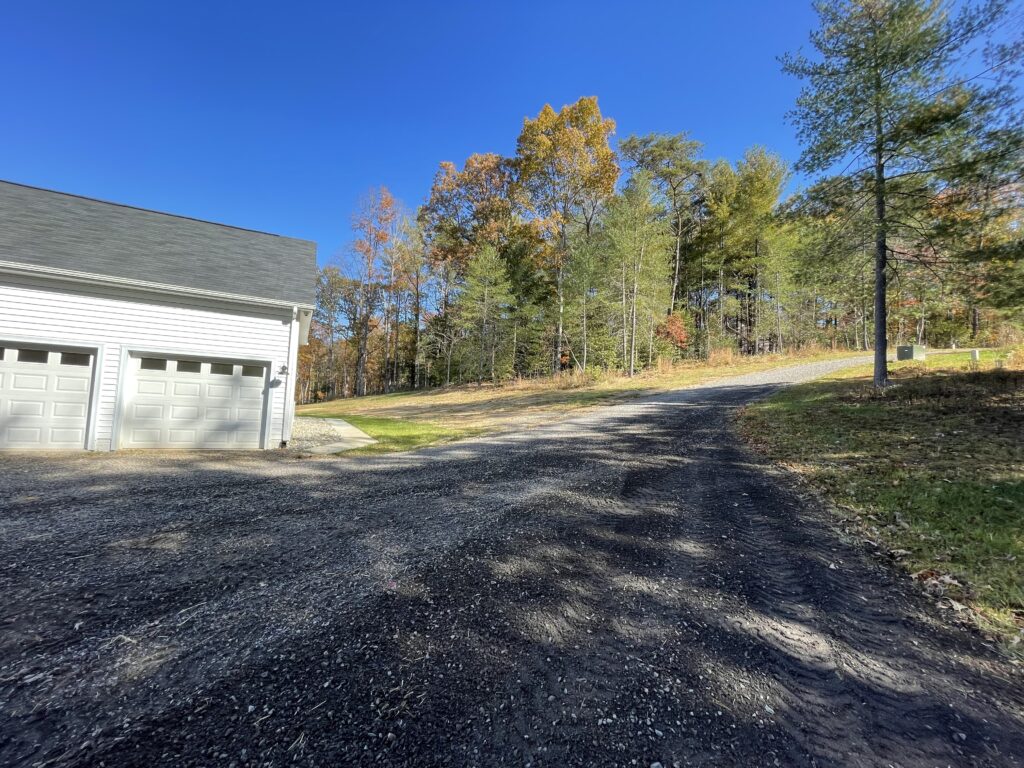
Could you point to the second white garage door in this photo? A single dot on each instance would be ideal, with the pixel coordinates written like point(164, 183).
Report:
point(192, 403)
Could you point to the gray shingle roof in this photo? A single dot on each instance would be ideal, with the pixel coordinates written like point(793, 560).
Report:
point(53, 229)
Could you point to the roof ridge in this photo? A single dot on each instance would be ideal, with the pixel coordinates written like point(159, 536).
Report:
point(152, 210)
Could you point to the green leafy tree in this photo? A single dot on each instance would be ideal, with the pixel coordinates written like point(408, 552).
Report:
point(568, 170)
point(678, 173)
point(638, 238)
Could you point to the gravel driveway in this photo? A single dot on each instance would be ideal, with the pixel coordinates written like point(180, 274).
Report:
point(627, 587)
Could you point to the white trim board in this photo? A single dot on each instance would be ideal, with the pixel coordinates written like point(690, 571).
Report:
point(70, 275)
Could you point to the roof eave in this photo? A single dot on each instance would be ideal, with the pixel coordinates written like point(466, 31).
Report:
point(70, 275)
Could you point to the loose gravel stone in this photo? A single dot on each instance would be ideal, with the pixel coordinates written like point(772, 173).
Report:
point(622, 582)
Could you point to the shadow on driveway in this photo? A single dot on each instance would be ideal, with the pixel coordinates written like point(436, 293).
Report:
point(628, 585)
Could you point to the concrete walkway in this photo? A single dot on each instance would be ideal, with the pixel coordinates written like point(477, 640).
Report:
point(323, 436)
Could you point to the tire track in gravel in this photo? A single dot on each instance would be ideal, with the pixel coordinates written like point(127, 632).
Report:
point(621, 588)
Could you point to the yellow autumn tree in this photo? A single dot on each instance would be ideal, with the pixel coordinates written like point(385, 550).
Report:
point(568, 169)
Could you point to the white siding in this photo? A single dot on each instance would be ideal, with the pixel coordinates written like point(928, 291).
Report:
point(119, 319)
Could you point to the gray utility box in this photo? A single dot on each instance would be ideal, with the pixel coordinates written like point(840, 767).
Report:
point(910, 352)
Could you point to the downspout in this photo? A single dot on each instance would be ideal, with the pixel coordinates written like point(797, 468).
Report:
point(289, 397)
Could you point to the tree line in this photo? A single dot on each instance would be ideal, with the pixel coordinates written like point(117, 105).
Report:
point(577, 255)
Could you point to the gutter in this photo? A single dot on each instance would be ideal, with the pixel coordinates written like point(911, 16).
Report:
point(70, 275)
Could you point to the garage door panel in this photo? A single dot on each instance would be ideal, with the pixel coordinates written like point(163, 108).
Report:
point(29, 382)
point(25, 436)
point(69, 410)
point(218, 414)
point(147, 411)
point(27, 408)
point(67, 436)
point(207, 405)
point(214, 438)
point(151, 387)
point(145, 437)
point(44, 397)
point(219, 391)
point(186, 389)
point(183, 437)
point(72, 384)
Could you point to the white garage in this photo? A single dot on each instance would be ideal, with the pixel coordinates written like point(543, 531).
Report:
point(44, 396)
point(127, 328)
point(193, 403)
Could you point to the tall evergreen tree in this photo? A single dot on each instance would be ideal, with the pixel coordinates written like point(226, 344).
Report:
point(890, 100)
point(484, 308)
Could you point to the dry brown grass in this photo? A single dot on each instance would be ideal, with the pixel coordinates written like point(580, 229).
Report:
point(523, 402)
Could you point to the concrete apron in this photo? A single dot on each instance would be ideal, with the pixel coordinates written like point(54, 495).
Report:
point(348, 438)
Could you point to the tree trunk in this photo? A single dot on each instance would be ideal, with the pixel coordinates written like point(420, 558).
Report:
point(515, 345)
point(625, 327)
point(583, 363)
point(385, 371)
point(361, 343)
point(921, 323)
point(778, 313)
point(721, 301)
point(561, 311)
point(483, 342)
point(559, 274)
point(881, 377)
point(637, 266)
point(650, 342)
point(416, 335)
point(757, 310)
point(675, 275)
point(705, 342)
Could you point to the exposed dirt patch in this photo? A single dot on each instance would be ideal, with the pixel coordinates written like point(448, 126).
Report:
point(623, 588)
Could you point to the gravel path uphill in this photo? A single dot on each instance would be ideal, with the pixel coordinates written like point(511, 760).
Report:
point(626, 587)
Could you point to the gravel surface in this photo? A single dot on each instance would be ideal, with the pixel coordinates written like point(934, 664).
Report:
point(627, 587)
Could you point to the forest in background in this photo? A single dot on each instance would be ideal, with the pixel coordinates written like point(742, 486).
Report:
point(577, 255)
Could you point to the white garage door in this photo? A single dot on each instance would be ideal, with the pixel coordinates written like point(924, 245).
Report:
point(44, 397)
point(191, 403)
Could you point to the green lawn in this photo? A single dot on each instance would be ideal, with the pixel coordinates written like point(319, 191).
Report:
point(932, 468)
point(401, 434)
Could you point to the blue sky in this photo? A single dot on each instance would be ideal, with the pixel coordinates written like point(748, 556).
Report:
point(279, 116)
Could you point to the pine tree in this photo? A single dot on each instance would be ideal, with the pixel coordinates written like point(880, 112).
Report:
point(484, 312)
point(888, 100)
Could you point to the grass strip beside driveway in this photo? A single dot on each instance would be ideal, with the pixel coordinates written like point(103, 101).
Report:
point(932, 468)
